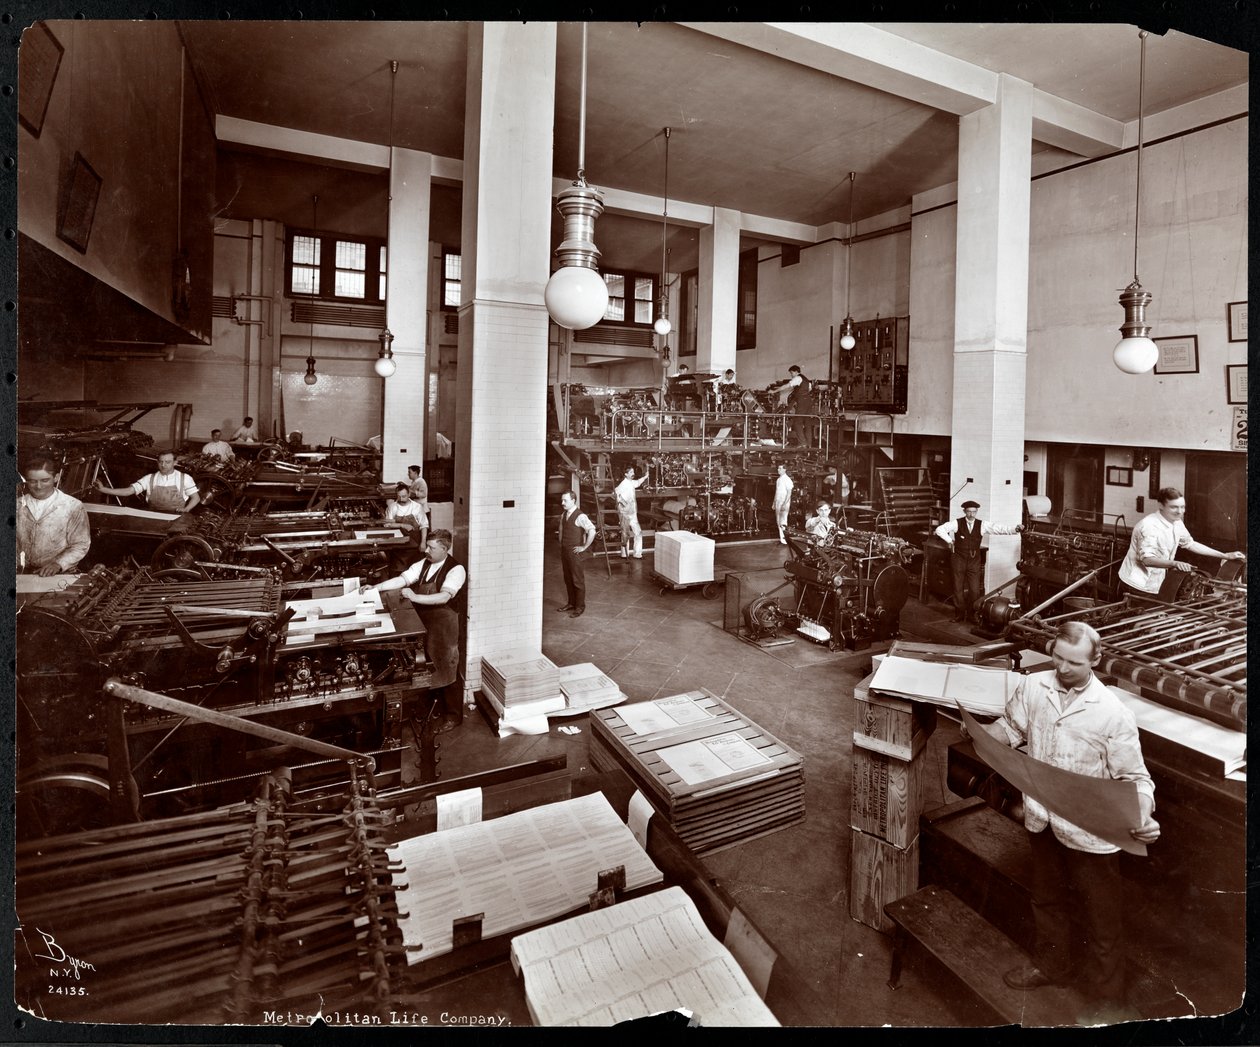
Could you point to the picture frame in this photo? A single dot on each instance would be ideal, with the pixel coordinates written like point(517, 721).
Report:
point(78, 204)
point(1119, 476)
point(1235, 383)
point(39, 58)
point(1237, 321)
point(1178, 354)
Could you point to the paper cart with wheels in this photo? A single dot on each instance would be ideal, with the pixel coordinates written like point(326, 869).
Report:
point(683, 560)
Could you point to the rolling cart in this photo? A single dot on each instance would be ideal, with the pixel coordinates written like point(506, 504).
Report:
point(708, 588)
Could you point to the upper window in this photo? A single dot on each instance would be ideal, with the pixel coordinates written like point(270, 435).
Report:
point(631, 298)
point(452, 275)
point(746, 320)
point(341, 268)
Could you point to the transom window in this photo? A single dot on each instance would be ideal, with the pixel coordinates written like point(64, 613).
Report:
point(452, 276)
point(337, 267)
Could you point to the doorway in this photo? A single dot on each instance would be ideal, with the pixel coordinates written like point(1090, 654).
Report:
point(1216, 499)
point(1074, 475)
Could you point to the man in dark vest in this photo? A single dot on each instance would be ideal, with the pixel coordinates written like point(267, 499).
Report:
point(576, 534)
point(436, 586)
point(965, 536)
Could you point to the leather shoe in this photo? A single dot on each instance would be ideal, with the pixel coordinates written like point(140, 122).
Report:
point(576, 612)
point(447, 723)
point(566, 607)
point(1027, 978)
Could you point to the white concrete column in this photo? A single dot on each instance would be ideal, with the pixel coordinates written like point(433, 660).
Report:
point(717, 318)
point(991, 315)
point(500, 440)
point(406, 313)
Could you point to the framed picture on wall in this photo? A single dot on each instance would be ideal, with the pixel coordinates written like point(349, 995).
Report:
point(39, 58)
point(78, 204)
point(1178, 355)
point(1237, 321)
point(1119, 476)
point(1236, 383)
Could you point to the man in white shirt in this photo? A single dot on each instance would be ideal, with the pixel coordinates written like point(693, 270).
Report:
point(1067, 717)
point(218, 446)
point(1154, 543)
point(436, 586)
point(409, 516)
point(820, 524)
point(964, 536)
point(628, 514)
point(167, 491)
point(246, 432)
point(782, 501)
point(52, 527)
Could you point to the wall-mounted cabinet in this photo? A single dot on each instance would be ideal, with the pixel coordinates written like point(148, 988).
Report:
point(873, 374)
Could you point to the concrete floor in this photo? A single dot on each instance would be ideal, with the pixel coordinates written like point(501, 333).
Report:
point(792, 883)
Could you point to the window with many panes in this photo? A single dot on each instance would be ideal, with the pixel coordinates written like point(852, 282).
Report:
point(631, 299)
point(452, 275)
point(746, 321)
point(336, 267)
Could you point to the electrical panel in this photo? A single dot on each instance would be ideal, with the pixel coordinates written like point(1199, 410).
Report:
point(873, 374)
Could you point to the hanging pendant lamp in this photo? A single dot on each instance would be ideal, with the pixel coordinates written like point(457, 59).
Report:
point(384, 365)
point(310, 378)
point(847, 338)
point(576, 295)
point(662, 326)
point(1135, 353)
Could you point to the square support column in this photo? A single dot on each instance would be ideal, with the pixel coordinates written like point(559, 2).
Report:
point(718, 310)
point(991, 316)
point(501, 389)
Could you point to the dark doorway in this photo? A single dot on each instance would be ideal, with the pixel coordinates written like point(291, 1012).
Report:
point(1216, 499)
point(1074, 477)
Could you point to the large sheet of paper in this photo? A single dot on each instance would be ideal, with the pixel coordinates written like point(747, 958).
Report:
point(981, 690)
point(630, 960)
point(1194, 732)
point(709, 758)
point(665, 713)
point(1105, 807)
point(519, 870)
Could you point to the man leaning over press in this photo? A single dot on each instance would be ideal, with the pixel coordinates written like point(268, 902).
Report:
point(167, 491)
point(1154, 543)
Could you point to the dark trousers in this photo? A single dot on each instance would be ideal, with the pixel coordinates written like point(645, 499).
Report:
point(1068, 884)
point(968, 581)
point(574, 577)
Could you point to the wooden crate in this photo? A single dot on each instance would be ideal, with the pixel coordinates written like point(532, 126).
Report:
point(893, 726)
point(887, 796)
point(879, 873)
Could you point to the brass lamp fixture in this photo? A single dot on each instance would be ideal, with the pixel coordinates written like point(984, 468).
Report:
point(576, 295)
point(1135, 353)
point(847, 339)
point(384, 365)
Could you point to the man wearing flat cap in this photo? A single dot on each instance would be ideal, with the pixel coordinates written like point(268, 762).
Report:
point(964, 536)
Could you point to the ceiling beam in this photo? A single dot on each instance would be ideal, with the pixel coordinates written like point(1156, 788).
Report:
point(866, 55)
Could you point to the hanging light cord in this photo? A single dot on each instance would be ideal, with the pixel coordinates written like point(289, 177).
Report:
point(310, 357)
point(1137, 208)
point(665, 219)
point(848, 269)
point(581, 172)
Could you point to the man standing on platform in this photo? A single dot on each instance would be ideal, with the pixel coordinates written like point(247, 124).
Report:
point(1068, 718)
point(964, 537)
point(576, 534)
point(1154, 544)
point(436, 586)
point(628, 514)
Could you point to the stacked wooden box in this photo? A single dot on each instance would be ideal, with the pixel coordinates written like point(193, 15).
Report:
point(889, 736)
point(683, 558)
point(721, 810)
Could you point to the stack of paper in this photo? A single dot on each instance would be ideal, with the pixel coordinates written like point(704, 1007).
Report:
point(683, 558)
point(630, 960)
point(585, 688)
point(519, 870)
point(713, 774)
point(525, 681)
point(980, 690)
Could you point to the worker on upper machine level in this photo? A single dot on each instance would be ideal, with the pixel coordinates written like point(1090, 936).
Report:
point(964, 537)
point(52, 527)
point(218, 447)
point(168, 490)
point(419, 487)
point(246, 432)
point(437, 586)
point(628, 514)
point(1154, 544)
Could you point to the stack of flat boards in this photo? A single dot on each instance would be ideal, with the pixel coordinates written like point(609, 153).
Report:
point(683, 558)
point(713, 774)
point(586, 687)
point(523, 687)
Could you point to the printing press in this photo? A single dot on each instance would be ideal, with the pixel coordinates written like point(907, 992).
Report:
point(847, 589)
point(141, 697)
point(1185, 665)
point(1052, 557)
point(299, 544)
